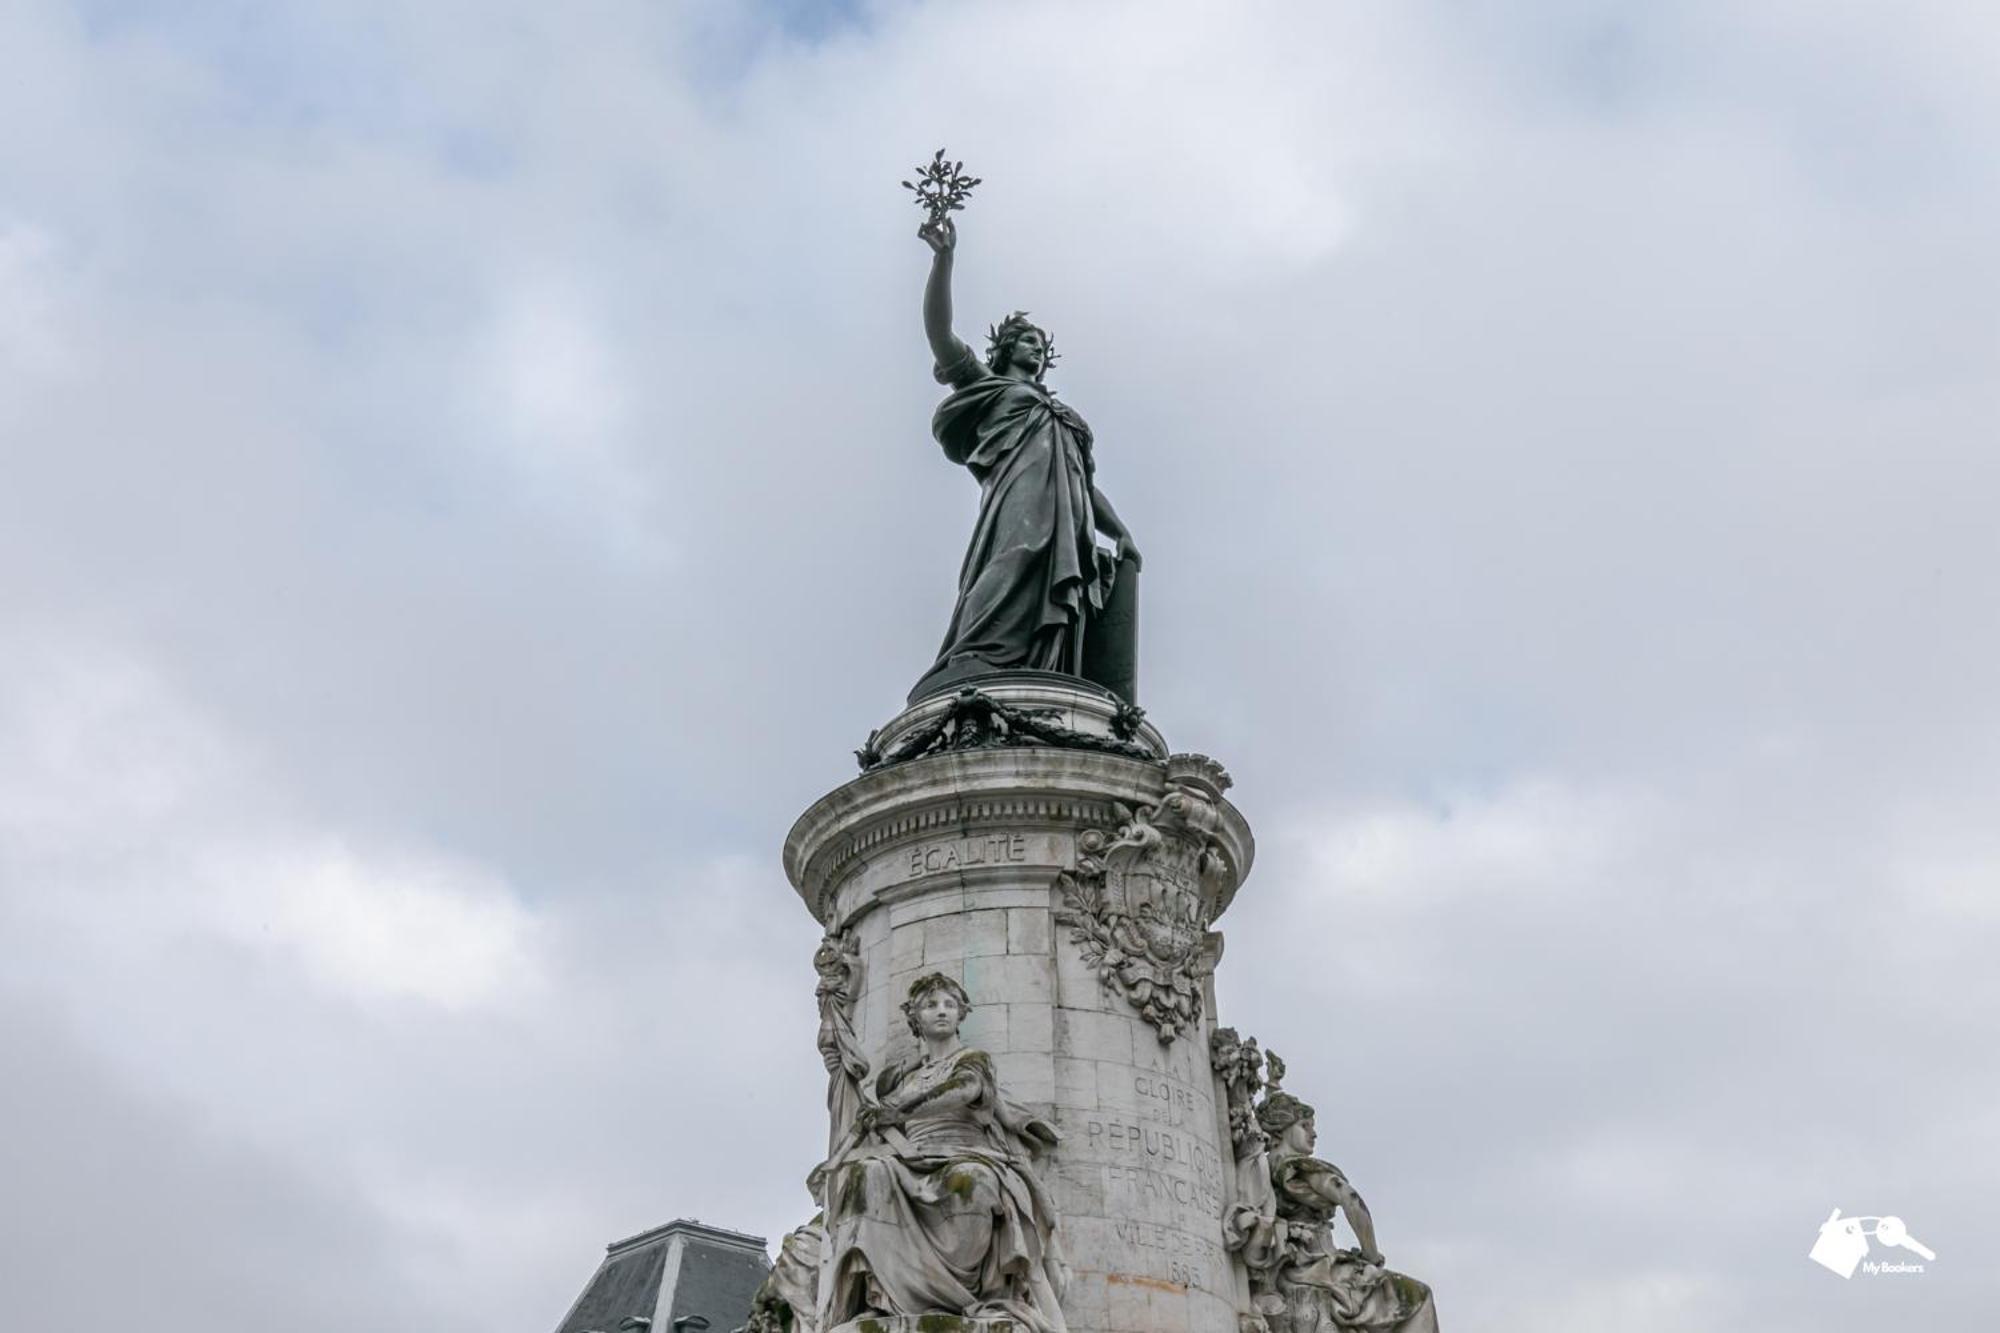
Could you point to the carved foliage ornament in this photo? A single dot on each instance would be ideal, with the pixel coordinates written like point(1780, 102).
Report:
point(1140, 898)
point(1240, 1065)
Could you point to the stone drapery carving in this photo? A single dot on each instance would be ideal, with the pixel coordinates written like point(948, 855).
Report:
point(975, 720)
point(933, 1202)
point(1250, 1226)
point(787, 1301)
point(1140, 898)
point(1281, 1219)
point(838, 962)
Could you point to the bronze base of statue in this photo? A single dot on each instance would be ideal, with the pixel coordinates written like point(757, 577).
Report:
point(978, 675)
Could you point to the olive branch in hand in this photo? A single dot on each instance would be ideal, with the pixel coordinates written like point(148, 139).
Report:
point(941, 187)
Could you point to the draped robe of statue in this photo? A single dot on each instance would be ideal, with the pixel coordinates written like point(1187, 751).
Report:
point(1331, 1290)
point(942, 1213)
point(1033, 577)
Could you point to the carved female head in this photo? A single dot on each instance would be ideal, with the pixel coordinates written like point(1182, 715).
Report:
point(1288, 1121)
point(1018, 341)
point(937, 1006)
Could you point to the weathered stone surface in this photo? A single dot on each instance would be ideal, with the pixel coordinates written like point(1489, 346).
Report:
point(1278, 1221)
point(984, 817)
point(838, 960)
point(929, 1323)
point(950, 864)
point(1138, 900)
point(788, 1299)
point(934, 1202)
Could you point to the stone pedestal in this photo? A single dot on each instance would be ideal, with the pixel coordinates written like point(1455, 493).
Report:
point(1070, 884)
point(929, 1323)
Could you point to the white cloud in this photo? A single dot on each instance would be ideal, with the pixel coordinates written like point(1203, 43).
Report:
point(466, 488)
point(380, 927)
point(33, 340)
point(1534, 838)
point(354, 1009)
point(548, 388)
point(1658, 1301)
point(108, 774)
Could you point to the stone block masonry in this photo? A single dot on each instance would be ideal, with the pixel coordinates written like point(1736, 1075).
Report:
point(956, 863)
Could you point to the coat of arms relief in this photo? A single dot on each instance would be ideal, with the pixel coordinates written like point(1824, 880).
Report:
point(1141, 896)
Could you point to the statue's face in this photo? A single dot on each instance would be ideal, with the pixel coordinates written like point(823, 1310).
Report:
point(1303, 1135)
point(938, 1014)
point(1031, 350)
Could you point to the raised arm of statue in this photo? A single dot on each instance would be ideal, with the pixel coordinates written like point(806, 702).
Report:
point(942, 238)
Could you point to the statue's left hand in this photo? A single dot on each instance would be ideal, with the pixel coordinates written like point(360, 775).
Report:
point(1127, 551)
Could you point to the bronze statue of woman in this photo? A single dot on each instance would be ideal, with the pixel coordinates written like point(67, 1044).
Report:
point(1036, 591)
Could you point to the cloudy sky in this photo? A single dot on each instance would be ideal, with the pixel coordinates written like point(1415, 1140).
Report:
point(467, 488)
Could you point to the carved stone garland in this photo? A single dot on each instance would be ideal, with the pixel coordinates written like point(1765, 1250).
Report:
point(1140, 898)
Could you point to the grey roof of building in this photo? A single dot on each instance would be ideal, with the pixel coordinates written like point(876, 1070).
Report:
point(717, 1282)
point(673, 1272)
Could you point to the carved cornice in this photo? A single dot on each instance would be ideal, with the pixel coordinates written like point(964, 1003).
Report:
point(968, 817)
point(975, 792)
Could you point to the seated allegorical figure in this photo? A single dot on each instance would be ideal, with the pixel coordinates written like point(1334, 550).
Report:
point(1326, 1288)
point(932, 1203)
